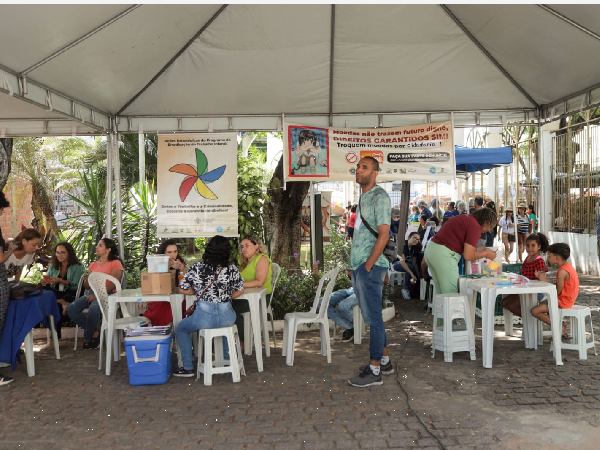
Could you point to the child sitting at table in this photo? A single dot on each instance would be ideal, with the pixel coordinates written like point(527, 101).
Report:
point(535, 244)
point(567, 283)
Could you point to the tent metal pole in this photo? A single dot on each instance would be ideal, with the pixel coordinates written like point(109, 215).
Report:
point(81, 39)
point(488, 55)
point(331, 62)
point(118, 199)
point(109, 185)
point(142, 155)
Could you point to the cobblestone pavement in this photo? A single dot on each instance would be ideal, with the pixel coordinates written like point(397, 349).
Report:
point(525, 401)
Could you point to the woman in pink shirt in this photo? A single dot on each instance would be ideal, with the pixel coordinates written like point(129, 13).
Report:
point(110, 264)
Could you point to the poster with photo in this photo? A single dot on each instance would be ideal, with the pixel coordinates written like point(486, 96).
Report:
point(417, 152)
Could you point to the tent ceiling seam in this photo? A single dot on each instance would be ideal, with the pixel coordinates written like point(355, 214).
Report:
point(173, 59)
point(488, 55)
point(79, 40)
point(569, 21)
point(331, 63)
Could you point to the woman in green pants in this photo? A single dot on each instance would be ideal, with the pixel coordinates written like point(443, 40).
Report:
point(458, 237)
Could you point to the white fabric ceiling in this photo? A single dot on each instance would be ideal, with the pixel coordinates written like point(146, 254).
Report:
point(248, 64)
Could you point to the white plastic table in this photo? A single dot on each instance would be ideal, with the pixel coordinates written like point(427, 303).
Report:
point(257, 300)
point(527, 291)
point(135, 296)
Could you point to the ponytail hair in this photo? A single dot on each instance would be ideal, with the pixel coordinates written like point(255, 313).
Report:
point(541, 240)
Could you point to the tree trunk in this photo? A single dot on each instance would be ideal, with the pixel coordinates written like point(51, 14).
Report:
point(284, 215)
point(6, 146)
point(42, 205)
point(404, 201)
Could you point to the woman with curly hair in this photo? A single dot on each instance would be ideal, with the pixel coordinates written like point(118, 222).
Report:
point(256, 270)
point(214, 281)
point(63, 274)
point(458, 237)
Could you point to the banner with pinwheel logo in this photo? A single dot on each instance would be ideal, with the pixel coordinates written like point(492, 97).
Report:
point(197, 185)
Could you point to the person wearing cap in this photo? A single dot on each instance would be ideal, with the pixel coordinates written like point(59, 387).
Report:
point(451, 212)
point(436, 211)
point(422, 204)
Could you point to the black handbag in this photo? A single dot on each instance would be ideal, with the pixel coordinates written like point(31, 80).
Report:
point(20, 289)
point(391, 248)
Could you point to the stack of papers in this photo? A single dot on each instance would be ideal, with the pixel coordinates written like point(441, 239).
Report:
point(150, 331)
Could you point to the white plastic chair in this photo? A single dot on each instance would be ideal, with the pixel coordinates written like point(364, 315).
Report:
point(248, 336)
point(78, 294)
point(28, 342)
point(359, 325)
point(396, 277)
point(97, 282)
point(577, 317)
point(447, 337)
point(292, 320)
point(235, 365)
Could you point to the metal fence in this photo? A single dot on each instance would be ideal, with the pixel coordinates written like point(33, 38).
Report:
point(576, 174)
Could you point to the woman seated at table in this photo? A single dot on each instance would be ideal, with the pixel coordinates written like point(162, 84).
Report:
point(256, 270)
point(214, 282)
point(63, 274)
point(110, 264)
point(27, 244)
point(62, 277)
point(160, 313)
point(410, 253)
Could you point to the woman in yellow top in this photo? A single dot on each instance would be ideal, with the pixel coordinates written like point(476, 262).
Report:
point(256, 271)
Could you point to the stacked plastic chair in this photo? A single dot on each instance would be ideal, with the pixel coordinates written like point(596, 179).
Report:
point(449, 337)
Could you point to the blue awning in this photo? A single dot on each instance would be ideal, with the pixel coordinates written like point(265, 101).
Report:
point(479, 159)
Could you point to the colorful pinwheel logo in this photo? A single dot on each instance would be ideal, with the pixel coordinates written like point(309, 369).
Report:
point(198, 177)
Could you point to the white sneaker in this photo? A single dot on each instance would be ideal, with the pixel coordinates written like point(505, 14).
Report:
point(406, 294)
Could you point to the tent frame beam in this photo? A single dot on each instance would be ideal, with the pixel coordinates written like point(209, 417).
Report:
point(37, 94)
point(488, 55)
point(79, 40)
point(570, 22)
point(173, 59)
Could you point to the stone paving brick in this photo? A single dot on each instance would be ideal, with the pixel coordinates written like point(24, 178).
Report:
point(261, 408)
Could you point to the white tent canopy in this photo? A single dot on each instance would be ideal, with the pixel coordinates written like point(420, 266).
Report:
point(88, 69)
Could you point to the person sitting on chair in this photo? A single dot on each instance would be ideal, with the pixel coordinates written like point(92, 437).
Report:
point(109, 264)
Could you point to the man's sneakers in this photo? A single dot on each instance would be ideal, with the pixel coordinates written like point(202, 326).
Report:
point(366, 378)
point(406, 294)
point(386, 369)
point(4, 379)
point(348, 335)
point(181, 372)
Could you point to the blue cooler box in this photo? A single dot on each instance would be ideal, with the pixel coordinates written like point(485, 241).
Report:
point(149, 358)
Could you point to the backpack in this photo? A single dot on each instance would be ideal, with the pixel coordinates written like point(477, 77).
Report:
point(19, 289)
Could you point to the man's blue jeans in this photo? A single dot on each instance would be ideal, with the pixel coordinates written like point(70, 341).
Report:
point(368, 287)
point(206, 315)
point(89, 322)
point(345, 300)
